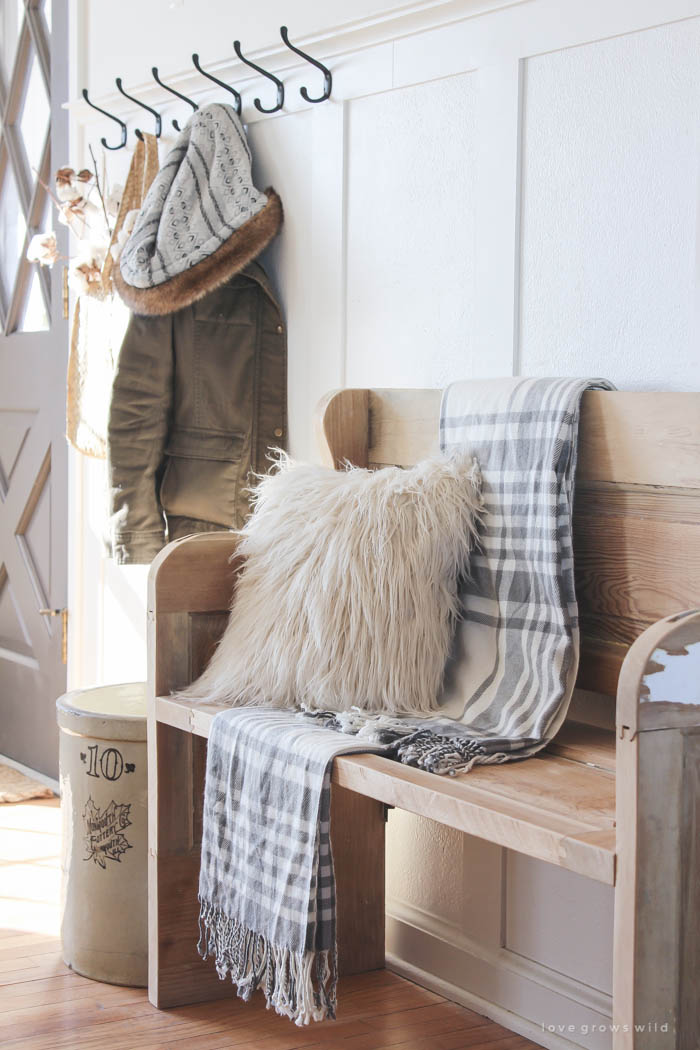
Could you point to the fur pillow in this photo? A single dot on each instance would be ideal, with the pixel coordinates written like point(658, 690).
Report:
point(348, 596)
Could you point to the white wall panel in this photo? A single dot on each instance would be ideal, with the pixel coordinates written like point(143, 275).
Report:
point(609, 203)
point(410, 235)
point(544, 920)
point(282, 149)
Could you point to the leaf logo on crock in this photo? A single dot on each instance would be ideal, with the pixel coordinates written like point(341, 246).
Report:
point(104, 832)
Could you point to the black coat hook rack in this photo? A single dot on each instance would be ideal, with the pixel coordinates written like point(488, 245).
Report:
point(104, 112)
point(270, 76)
point(226, 87)
point(327, 75)
point(159, 122)
point(178, 94)
point(284, 33)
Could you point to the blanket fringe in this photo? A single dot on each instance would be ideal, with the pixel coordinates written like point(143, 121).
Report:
point(425, 748)
point(299, 985)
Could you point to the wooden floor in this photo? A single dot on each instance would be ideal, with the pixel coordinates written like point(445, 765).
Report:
point(45, 1006)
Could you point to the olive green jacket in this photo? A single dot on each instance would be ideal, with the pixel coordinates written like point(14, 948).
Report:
point(199, 397)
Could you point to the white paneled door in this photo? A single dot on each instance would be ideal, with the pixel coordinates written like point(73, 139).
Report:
point(33, 349)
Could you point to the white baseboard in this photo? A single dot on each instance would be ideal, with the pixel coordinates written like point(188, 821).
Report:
point(41, 777)
point(513, 1022)
point(426, 949)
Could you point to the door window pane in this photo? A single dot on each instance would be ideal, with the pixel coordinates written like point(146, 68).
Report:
point(11, 14)
point(35, 317)
point(12, 231)
point(34, 121)
point(24, 290)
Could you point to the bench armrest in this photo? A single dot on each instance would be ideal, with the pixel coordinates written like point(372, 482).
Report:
point(195, 574)
point(190, 588)
point(659, 685)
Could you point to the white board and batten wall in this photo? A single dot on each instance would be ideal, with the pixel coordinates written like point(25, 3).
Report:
point(494, 189)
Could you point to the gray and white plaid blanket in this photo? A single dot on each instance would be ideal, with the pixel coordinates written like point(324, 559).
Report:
point(515, 657)
point(266, 884)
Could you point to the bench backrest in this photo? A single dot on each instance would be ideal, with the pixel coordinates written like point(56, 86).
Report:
point(637, 506)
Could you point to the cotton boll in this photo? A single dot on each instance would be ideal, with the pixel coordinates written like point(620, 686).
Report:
point(87, 222)
point(43, 248)
point(64, 184)
point(83, 183)
point(72, 214)
point(72, 186)
point(85, 275)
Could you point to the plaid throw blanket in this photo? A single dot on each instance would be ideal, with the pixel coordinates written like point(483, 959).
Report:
point(266, 885)
point(515, 656)
point(267, 890)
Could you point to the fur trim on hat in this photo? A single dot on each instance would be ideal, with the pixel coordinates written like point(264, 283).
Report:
point(244, 245)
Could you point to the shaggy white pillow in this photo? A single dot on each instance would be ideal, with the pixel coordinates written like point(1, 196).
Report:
point(348, 596)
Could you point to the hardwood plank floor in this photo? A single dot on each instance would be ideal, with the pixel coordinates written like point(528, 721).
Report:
point(45, 1006)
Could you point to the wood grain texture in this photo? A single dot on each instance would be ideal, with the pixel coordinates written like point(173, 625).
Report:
point(599, 665)
point(543, 807)
point(357, 842)
point(624, 931)
point(603, 629)
point(403, 426)
point(634, 567)
point(637, 559)
point(637, 438)
point(341, 424)
point(637, 501)
point(177, 975)
point(198, 570)
point(658, 922)
point(180, 976)
point(629, 438)
point(176, 776)
point(206, 629)
point(587, 744)
point(689, 934)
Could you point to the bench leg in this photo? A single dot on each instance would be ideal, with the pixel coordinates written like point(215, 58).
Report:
point(657, 897)
point(176, 973)
point(357, 841)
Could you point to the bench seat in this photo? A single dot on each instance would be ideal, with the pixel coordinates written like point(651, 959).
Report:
point(558, 806)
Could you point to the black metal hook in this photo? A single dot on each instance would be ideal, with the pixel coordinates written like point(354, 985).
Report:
point(270, 76)
point(137, 132)
point(172, 91)
point(327, 75)
point(226, 87)
point(104, 112)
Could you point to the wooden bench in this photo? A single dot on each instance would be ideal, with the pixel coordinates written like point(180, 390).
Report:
point(622, 806)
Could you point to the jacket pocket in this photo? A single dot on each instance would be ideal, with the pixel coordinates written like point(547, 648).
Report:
point(201, 476)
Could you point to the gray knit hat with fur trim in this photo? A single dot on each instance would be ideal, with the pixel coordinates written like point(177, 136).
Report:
point(202, 220)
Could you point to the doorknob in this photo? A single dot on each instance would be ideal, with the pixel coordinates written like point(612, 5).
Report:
point(63, 613)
